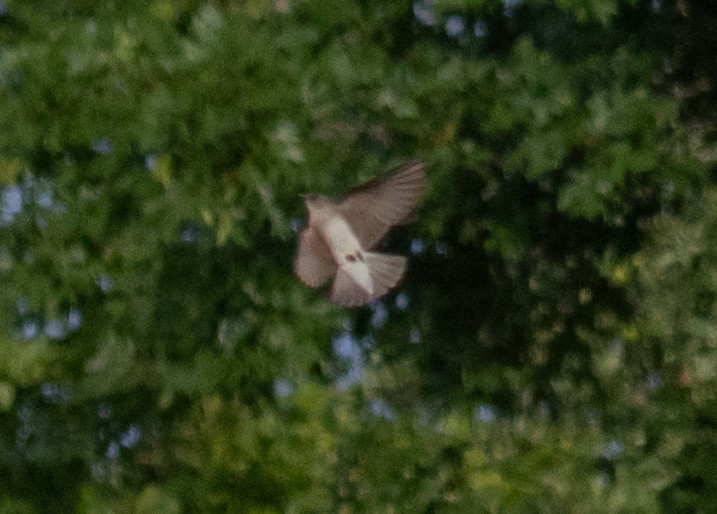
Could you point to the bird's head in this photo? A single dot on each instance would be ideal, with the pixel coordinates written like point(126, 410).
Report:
point(314, 202)
point(318, 206)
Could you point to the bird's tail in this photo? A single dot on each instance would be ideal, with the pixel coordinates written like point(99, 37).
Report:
point(384, 271)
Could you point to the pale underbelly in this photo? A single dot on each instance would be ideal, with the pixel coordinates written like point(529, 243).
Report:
point(340, 239)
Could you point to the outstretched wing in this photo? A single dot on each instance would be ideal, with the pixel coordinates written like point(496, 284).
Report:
point(313, 263)
point(372, 208)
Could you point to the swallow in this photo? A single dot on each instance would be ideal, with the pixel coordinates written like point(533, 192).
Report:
point(339, 240)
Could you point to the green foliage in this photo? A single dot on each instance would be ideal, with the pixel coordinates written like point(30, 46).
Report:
point(552, 346)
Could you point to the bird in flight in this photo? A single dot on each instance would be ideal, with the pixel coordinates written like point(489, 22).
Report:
point(339, 239)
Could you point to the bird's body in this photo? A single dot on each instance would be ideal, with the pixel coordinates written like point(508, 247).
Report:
point(346, 250)
point(338, 238)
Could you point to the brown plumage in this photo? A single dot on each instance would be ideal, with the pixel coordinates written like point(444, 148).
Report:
point(339, 238)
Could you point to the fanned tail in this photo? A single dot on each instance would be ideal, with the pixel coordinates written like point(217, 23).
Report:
point(384, 271)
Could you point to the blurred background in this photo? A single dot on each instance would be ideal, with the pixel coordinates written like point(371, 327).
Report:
point(552, 349)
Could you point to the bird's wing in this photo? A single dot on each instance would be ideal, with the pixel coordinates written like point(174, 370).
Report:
point(313, 263)
point(372, 208)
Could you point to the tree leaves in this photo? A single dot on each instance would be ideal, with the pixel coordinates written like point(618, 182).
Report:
point(550, 349)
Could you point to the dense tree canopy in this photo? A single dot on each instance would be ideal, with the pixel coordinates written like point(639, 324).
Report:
point(552, 348)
